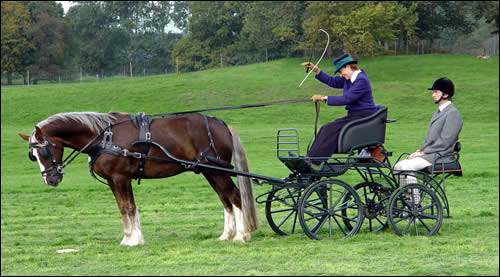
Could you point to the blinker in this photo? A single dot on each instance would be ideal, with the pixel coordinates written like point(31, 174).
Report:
point(31, 156)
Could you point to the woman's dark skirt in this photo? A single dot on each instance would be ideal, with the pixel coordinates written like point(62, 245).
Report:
point(327, 138)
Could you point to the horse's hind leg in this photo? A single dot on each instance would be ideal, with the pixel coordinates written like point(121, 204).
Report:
point(122, 189)
point(230, 198)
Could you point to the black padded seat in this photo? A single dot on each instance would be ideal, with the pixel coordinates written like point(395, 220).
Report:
point(370, 129)
point(452, 167)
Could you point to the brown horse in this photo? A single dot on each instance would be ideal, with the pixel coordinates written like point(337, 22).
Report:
point(185, 137)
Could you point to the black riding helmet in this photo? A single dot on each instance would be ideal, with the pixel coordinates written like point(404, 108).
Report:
point(445, 85)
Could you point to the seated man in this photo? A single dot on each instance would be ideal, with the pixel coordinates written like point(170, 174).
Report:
point(442, 134)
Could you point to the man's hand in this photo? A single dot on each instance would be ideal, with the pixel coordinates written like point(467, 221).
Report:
point(309, 65)
point(415, 154)
point(317, 97)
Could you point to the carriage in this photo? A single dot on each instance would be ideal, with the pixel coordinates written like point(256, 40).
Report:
point(412, 202)
point(123, 146)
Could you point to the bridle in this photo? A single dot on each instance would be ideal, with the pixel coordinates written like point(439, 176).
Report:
point(46, 152)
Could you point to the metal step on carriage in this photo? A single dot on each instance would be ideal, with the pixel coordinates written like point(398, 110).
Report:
point(412, 202)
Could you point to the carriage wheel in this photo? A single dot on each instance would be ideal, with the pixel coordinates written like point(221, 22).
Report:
point(281, 210)
point(415, 209)
point(375, 202)
point(325, 205)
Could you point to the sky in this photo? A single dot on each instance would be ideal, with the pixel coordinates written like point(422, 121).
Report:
point(66, 5)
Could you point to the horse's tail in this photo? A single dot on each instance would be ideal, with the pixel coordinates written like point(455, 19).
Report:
point(248, 209)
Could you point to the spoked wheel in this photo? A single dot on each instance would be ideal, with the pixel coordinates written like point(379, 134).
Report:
point(415, 209)
point(324, 207)
point(281, 210)
point(375, 200)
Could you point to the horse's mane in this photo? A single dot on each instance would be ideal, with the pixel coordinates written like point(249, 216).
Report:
point(96, 122)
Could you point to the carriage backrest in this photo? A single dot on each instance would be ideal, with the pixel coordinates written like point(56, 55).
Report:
point(364, 130)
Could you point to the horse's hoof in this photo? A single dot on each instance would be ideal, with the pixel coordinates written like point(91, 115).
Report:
point(226, 237)
point(132, 241)
point(242, 237)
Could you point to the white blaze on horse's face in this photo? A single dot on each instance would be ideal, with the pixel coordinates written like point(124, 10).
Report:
point(35, 153)
point(42, 167)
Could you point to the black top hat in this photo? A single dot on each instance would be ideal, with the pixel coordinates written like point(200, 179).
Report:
point(445, 85)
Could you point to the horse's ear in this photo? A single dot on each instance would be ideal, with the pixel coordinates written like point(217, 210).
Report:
point(25, 137)
point(38, 133)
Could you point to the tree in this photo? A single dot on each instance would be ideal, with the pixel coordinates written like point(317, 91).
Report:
point(49, 35)
point(126, 36)
point(214, 28)
point(101, 40)
point(270, 27)
point(358, 27)
point(436, 17)
point(487, 10)
point(180, 14)
point(16, 47)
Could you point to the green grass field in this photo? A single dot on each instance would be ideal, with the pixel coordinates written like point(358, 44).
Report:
point(182, 217)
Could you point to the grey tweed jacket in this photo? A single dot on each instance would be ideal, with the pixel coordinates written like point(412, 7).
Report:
point(442, 133)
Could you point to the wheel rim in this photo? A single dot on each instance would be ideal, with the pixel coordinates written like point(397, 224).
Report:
point(281, 210)
point(415, 210)
point(375, 202)
point(324, 208)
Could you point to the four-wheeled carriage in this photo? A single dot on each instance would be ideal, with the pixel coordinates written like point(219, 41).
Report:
point(329, 208)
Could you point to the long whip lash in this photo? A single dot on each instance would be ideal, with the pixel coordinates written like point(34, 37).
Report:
point(316, 65)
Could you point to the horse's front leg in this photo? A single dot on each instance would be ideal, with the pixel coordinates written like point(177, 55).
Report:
point(122, 189)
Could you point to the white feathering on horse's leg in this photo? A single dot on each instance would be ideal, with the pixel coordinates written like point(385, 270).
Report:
point(132, 231)
point(229, 231)
point(242, 234)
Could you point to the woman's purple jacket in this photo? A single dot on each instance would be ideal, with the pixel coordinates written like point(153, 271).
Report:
point(356, 96)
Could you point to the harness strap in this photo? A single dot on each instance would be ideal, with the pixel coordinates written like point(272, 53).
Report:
point(97, 150)
point(142, 122)
point(212, 145)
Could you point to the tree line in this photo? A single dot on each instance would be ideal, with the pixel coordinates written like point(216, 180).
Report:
point(106, 38)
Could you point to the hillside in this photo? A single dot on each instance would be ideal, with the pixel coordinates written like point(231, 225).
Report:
point(182, 217)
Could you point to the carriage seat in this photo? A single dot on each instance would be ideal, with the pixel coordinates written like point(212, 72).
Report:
point(452, 167)
point(370, 129)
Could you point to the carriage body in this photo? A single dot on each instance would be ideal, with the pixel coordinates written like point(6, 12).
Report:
point(328, 208)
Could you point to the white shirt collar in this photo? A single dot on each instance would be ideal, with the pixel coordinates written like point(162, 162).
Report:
point(441, 107)
point(355, 75)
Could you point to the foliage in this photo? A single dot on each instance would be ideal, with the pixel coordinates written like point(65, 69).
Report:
point(435, 17)
point(270, 27)
point(122, 36)
point(213, 28)
point(49, 36)
point(16, 46)
point(360, 27)
point(487, 10)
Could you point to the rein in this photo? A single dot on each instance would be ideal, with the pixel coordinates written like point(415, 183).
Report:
point(236, 107)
